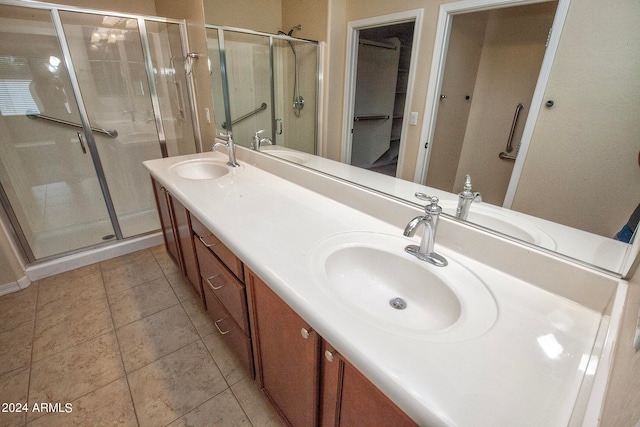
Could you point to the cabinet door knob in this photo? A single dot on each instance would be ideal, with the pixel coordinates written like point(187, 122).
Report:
point(305, 333)
point(328, 355)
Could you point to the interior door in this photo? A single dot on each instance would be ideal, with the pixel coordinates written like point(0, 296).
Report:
point(47, 175)
point(377, 74)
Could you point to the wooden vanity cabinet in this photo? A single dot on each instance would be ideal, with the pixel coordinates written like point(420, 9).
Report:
point(175, 221)
point(167, 222)
point(350, 399)
point(306, 388)
point(207, 238)
point(286, 351)
point(224, 293)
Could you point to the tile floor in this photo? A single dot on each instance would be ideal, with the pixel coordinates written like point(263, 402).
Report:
point(125, 342)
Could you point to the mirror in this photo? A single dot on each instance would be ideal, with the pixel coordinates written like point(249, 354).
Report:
point(581, 158)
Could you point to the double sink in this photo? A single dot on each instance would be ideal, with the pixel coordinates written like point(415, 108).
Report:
point(388, 288)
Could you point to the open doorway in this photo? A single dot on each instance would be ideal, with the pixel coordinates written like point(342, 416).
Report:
point(380, 74)
point(491, 64)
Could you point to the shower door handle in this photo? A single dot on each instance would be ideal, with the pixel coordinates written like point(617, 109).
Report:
point(279, 126)
point(84, 150)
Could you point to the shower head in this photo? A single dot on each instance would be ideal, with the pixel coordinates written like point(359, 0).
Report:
point(296, 28)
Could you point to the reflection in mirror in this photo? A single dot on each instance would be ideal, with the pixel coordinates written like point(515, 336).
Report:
point(573, 193)
point(491, 70)
point(271, 82)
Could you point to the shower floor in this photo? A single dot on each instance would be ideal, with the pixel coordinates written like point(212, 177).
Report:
point(65, 219)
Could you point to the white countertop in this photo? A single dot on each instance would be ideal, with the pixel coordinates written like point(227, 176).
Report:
point(526, 370)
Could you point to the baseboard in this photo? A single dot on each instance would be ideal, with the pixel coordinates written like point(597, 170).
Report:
point(91, 256)
point(8, 288)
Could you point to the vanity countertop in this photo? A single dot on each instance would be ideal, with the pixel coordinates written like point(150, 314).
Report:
point(533, 367)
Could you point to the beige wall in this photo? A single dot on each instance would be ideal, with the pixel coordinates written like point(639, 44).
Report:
point(258, 15)
point(463, 59)
point(584, 148)
point(193, 12)
point(311, 14)
point(142, 7)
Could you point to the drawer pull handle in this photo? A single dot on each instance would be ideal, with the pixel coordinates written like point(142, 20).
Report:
point(305, 333)
point(218, 327)
point(215, 288)
point(209, 245)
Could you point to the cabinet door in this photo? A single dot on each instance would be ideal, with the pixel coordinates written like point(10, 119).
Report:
point(350, 399)
point(166, 222)
point(185, 242)
point(287, 355)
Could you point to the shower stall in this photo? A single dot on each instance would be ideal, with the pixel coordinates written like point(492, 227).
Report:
point(264, 82)
point(85, 97)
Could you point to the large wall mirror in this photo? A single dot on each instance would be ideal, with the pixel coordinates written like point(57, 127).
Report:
point(576, 141)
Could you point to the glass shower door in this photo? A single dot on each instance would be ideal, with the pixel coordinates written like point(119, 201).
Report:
point(109, 61)
point(248, 63)
point(46, 172)
point(295, 83)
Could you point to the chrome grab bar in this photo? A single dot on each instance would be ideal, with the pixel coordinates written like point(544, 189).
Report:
point(371, 117)
point(263, 106)
point(109, 133)
point(505, 154)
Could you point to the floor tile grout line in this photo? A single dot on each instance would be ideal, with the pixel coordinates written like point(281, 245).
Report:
point(235, 396)
point(197, 406)
point(124, 369)
point(33, 339)
point(71, 346)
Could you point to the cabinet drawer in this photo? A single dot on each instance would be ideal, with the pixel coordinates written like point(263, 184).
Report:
point(214, 244)
point(224, 285)
point(232, 334)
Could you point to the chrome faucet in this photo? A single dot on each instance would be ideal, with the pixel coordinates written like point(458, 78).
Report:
point(231, 149)
point(257, 141)
point(465, 198)
point(425, 251)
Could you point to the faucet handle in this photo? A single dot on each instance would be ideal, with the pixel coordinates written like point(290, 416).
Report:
point(225, 135)
point(259, 132)
point(433, 200)
point(432, 206)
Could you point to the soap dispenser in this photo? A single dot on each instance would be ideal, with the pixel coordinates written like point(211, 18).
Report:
point(465, 198)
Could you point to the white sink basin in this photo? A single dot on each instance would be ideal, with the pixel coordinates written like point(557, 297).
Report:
point(200, 169)
point(371, 276)
point(288, 155)
point(503, 222)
